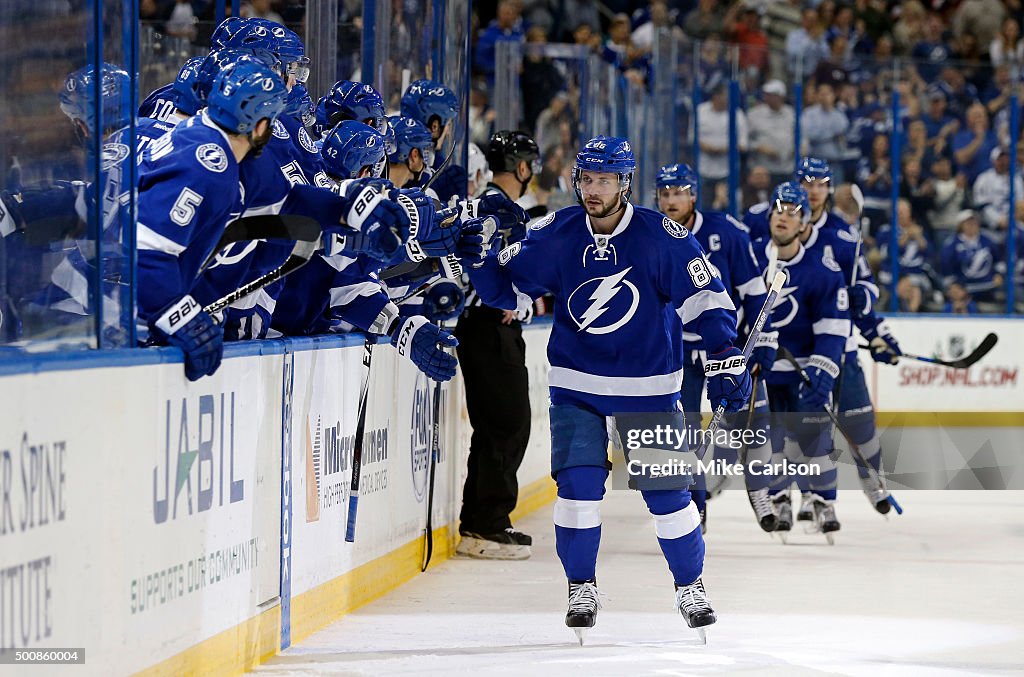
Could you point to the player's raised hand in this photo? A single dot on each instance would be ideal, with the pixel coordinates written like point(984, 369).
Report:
point(510, 218)
point(475, 237)
point(382, 225)
point(424, 344)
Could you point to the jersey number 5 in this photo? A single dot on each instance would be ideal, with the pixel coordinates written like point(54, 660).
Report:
point(184, 208)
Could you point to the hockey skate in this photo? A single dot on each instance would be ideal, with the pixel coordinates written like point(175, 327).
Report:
point(805, 513)
point(825, 520)
point(584, 602)
point(762, 505)
point(877, 494)
point(783, 515)
point(508, 545)
point(692, 602)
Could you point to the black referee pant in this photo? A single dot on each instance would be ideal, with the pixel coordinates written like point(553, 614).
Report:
point(493, 360)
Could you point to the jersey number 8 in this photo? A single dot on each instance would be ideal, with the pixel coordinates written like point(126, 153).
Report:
point(699, 272)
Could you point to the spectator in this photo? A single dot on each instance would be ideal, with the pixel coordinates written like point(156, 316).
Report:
point(960, 93)
point(915, 284)
point(539, 78)
point(704, 21)
point(753, 41)
point(874, 176)
point(834, 69)
point(550, 120)
point(916, 190)
point(660, 20)
point(970, 259)
point(508, 26)
point(481, 115)
point(909, 28)
point(713, 116)
point(824, 128)
point(939, 125)
point(771, 132)
point(992, 193)
point(980, 18)
point(973, 144)
point(260, 9)
point(714, 68)
point(1007, 47)
point(781, 18)
point(997, 94)
point(947, 199)
point(583, 34)
point(875, 17)
point(931, 52)
point(866, 123)
point(806, 46)
point(958, 301)
point(182, 22)
point(757, 188)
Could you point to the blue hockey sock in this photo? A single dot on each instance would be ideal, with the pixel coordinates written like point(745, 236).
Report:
point(577, 518)
point(677, 524)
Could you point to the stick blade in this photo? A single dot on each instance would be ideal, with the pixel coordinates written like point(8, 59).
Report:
point(777, 282)
point(987, 344)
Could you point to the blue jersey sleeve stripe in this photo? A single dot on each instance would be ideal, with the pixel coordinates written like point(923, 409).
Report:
point(703, 301)
point(149, 239)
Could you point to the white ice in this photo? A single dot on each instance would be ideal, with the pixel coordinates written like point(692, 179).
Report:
point(936, 591)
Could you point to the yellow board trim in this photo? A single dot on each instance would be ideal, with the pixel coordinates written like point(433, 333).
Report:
point(243, 647)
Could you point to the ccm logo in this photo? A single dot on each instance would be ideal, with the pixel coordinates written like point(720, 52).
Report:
point(404, 337)
point(725, 365)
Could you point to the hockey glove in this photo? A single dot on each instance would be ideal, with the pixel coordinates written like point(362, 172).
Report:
point(424, 344)
point(860, 301)
point(510, 218)
point(728, 379)
point(452, 182)
point(884, 348)
point(187, 326)
point(822, 373)
point(443, 301)
point(474, 240)
point(763, 354)
point(383, 226)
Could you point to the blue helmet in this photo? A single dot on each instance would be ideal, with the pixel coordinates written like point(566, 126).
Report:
point(245, 93)
point(215, 62)
point(351, 146)
point(77, 98)
point(678, 175)
point(409, 134)
point(791, 192)
point(813, 169)
point(283, 42)
point(426, 99)
point(300, 105)
point(609, 155)
point(183, 89)
point(349, 100)
point(225, 29)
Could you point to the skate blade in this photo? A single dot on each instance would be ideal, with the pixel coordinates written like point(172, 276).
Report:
point(703, 634)
point(829, 538)
point(581, 634)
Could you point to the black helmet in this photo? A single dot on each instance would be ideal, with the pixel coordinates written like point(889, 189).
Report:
point(507, 148)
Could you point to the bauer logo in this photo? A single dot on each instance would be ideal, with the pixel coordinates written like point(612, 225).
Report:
point(421, 427)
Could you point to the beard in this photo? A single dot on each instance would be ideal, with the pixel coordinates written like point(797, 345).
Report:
point(604, 210)
point(259, 142)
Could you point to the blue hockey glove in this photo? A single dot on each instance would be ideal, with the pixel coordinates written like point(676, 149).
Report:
point(728, 379)
point(383, 225)
point(474, 240)
point(884, 348)
point(510, 218)
point(187, 326)
point(424, 344)
point(822, 373)
point(763, 354)
point(453, 181)
point(443, 301)
point(860, 301)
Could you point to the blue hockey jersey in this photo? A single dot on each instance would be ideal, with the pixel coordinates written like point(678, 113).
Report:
point(727, 245)
point(756, 219)
point(811, 313)
point(973, 263)
point(159, 105)
point(620, 304)
point(188, 192)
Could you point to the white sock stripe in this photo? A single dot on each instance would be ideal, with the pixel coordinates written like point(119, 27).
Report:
point(871, 448)
point(677, 524)
point(573, 514)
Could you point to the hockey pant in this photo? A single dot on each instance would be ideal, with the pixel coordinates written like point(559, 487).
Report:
point(856, 413)
point(800, 437)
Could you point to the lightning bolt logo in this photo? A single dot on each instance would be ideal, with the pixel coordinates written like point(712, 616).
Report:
point(607, 289)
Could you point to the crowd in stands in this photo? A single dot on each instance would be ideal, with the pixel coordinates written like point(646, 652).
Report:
point(954, 66)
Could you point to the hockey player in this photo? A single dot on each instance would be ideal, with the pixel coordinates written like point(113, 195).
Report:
point(410, 153)
point(727, 245)
point(625, 280)
point(815, 176)
point(435, 106)
point(497, 390)
point(812, 318)
point(188, 192)
point(350, 100)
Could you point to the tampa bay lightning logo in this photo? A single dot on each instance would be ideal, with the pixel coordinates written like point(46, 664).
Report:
point(786, 306)
point(307, 142)
point(603, 305)
point(674, 229)
point(113, 154)
point(545, 221)
point(213, 157)
point(279, 130)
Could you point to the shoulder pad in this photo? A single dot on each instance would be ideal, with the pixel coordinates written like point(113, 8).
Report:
point(674, 229)
point(212, 157)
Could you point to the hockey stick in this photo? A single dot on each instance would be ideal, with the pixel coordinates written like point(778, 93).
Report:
point(265, 227)
point(357, 444)
point(748, 347)
point(435, 450)
point(298, 257)
point(854, 447)
point(966, 362)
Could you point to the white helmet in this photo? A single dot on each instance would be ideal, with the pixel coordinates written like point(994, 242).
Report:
point(479, 173)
